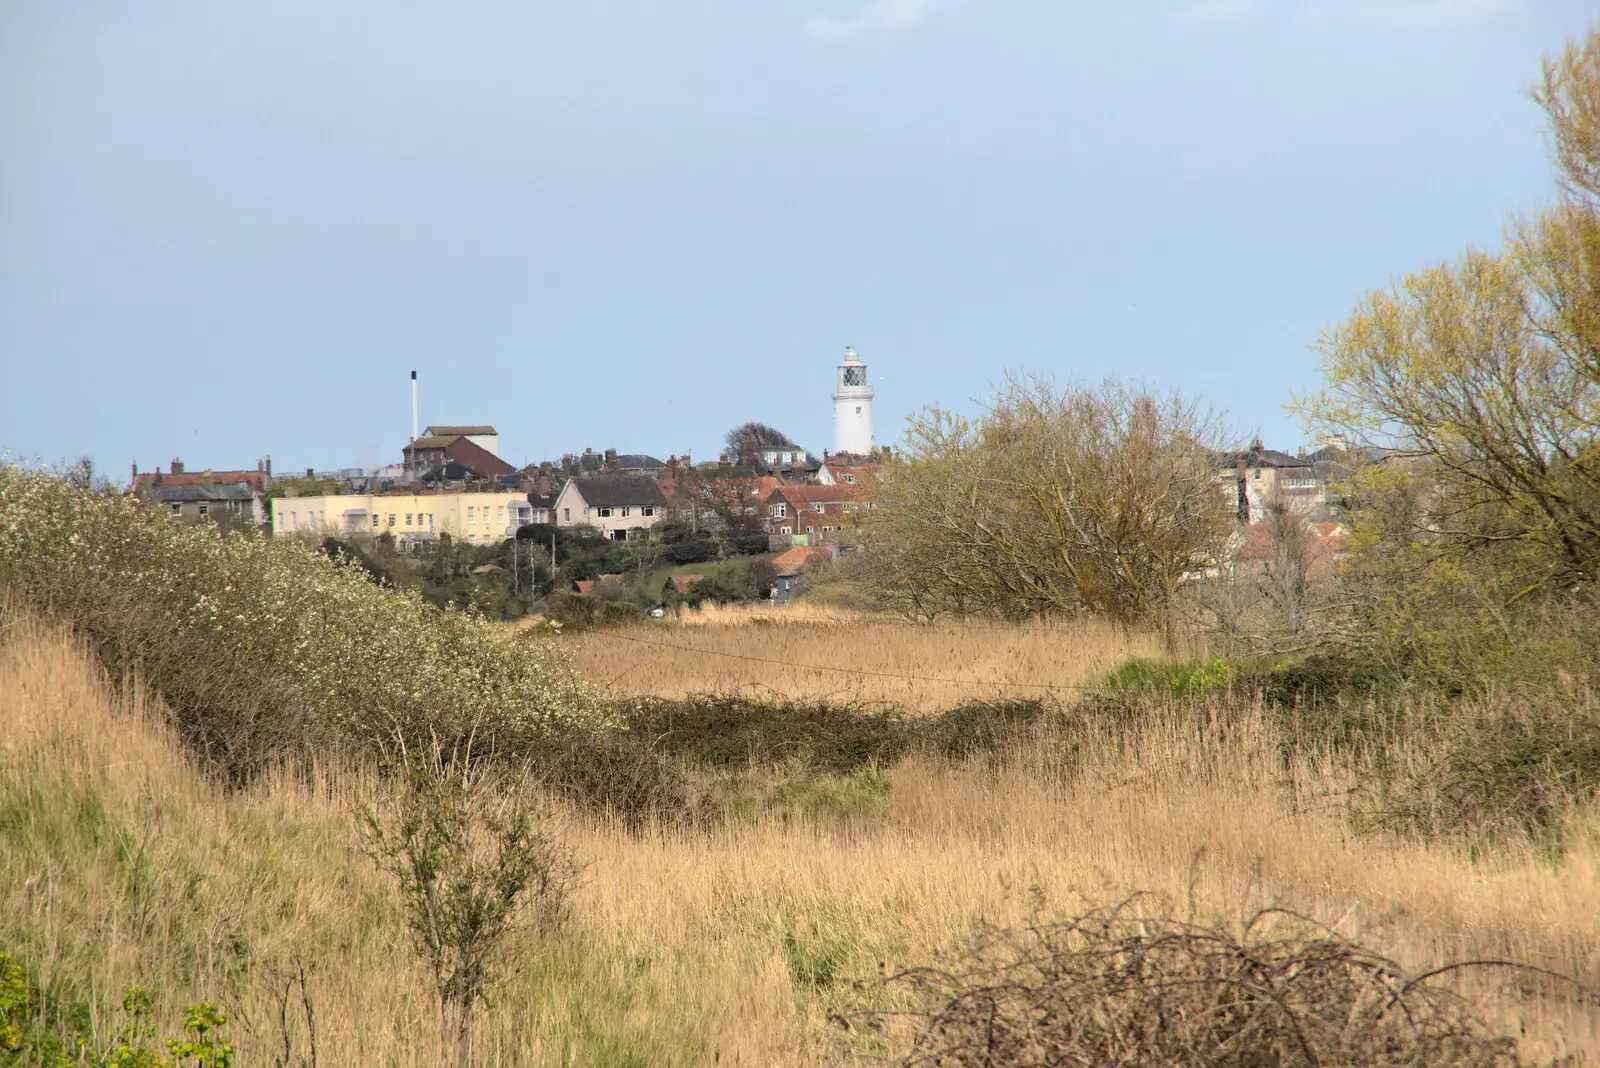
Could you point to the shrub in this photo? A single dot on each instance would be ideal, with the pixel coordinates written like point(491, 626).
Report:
point(471, 860)
point(725, 731)
point(260, 645)
point(618, 773)
point(984, 727)
point(1138, 675)
point(1122, 986)
point(1487, 771)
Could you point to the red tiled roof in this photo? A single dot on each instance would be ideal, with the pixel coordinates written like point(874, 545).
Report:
point(814, 494)
point(863, 472)
point(584, 586)
point(794, 560)
point(684, 583)
point(465, 452)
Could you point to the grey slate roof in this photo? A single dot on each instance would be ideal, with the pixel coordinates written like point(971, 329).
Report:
point(219, 491)
point(638, 461)
point(614, 491)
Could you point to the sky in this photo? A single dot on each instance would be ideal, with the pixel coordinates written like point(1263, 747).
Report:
point(232, 230)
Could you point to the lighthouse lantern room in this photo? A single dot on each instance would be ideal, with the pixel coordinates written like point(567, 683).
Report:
point(852, 407)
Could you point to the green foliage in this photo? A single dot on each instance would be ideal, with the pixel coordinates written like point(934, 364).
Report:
point(1139, 675)
point(205, 1047)
point(814, 962)
point(27, 1039)
point(258, 644)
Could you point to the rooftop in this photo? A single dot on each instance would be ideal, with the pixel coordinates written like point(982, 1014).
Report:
point(614, 491)
point(460, 431)
point(219, 491)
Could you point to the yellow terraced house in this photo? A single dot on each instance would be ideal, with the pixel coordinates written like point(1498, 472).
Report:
point(476, 518)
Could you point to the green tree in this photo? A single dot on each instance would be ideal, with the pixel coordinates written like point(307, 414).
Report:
point(1472, 390)
point(1483, 376)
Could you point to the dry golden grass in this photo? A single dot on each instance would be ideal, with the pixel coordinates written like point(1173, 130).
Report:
point(118, 864)
point(800, 651)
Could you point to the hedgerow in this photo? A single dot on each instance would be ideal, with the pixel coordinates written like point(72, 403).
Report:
point(259, 646)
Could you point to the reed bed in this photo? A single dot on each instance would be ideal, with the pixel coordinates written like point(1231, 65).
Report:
point(729, 944)
point(800, 652)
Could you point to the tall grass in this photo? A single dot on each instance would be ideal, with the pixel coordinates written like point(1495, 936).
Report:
point(800, 652)
point(727, 943)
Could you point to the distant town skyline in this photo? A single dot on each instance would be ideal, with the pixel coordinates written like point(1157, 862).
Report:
point(234, 230)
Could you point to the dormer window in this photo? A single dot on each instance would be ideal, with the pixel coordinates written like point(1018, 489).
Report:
point(850, 479)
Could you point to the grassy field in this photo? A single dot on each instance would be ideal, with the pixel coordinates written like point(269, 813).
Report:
point(726, 944)
point(803, 652)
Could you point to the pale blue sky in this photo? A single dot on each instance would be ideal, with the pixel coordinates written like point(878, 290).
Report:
point(229, 229)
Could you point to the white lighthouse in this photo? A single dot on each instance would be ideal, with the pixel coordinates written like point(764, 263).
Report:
point(852, 407)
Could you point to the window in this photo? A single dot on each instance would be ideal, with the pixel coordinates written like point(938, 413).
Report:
point(858, 409)
point(177, 509)
point(625, 510)
point(619, 535)
point(648, 511)
point(780, 510)
point(566, 515)
point(811, 530)
point(827, 530)
point(375, 521)
point(822, 509)
point(850, 479)
point(205, 508)
point(233, 506)
point(500, 514)
point(786, 530)
point(430, 522)
point(408, 519)
point(391, 519)
point(472, 513)
point(603, 513)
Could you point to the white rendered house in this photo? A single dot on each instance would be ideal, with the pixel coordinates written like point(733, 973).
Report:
point(852, 408)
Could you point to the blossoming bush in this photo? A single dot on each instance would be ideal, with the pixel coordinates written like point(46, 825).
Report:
point(261, 646)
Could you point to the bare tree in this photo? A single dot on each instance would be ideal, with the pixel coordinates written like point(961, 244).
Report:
point(742, 441)
point(1055, 500)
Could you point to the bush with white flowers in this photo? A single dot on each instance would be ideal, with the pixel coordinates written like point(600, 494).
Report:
point(245, 635)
